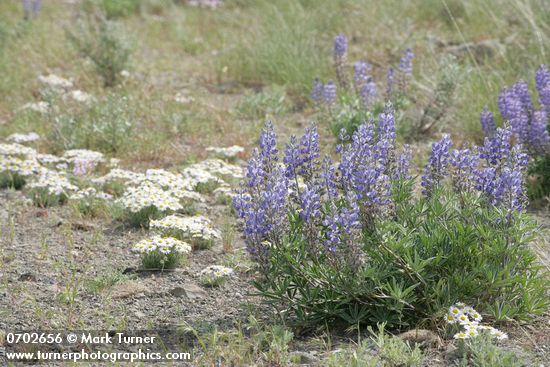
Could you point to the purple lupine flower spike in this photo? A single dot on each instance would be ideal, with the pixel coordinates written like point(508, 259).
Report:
point(542, 81)
point(329, 93)
point(542, 77)
point(539, 141)
point(368, 93)
point(390, 81)
point(403, 164)
point(340, 51)
point(310, 204)
point(405, 64)
point(317, 91)
point(309, 152)
point(361, 75)
point(436, 169)
point(487, 123)
point(521, 90)
point(464, 163)
point(340, 45)
point(406, 69)
point(497, 149)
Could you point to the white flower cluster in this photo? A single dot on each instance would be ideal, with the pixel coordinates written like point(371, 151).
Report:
point(215, 275)
point(227, 152)
point(146, 195)
point(224, 191)
point(23, 138)
point(49, 159)
point(118, 174)
point(55, 82)
point(161, 245)
point(53, 182)
point(40, 107)
point(218, 167)
point(90, 192)
point(164, 179)
point(468, 319)
point(79, 96)
point(83, 155)
point(195, 227)
point(17, 150)
point(197, 176)
point(13, 165)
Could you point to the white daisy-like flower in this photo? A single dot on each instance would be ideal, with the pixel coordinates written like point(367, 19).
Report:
point(499, 334)
point(472, 333)
point(463, 318)
point(461, 335)
point(455, 311)
point(191, 227)
point(15, 149)
point(227, 152)
point(55, 82)
point(83, 155)
point(23, 138)
point(40, 107)
point(476, 316)
point(451, 319)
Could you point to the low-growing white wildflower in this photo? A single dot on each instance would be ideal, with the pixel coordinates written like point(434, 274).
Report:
point(40, 107)
point(147, 195)
point(196, 229)
point(53, 182)
point(215, 275)
point(55, 82)
point(79, 96)
point(161, 252)
point(118, 174)
point(90, 192)
point(468, 319)
point(195, 176)
point(83, 155)
point(15, 149)
point(226, 152)
point(21, 167)
point(461, 335)
point(218, 167)
point(23, 138)
point(49, 159)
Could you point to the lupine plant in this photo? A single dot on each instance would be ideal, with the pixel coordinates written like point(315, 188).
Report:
point(529, 125)
point(356, 95)
point(354, 241)
point(361, 94)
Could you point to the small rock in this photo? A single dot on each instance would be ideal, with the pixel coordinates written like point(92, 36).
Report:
point(480, 50)
point(83, 226)
point(27, 277)
point(139, 314)
point(178, 292)
point(190, 291)
point(421, 336)
point(127, 289)
point(301, 357)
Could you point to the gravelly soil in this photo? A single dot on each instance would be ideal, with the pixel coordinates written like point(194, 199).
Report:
point(49, 253)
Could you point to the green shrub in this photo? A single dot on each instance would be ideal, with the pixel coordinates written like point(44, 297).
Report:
point(104, 43)
point(106, 127)
point(267, 102)
point(120, 8)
